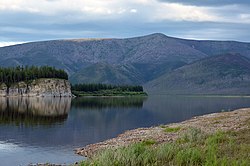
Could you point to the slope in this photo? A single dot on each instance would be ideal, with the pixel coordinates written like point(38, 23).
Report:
point(140, 59)
point(108, 74)
point(75, 55)
point(223, 74)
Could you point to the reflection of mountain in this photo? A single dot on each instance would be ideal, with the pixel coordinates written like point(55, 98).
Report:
point(33, 110)
point(108, 102)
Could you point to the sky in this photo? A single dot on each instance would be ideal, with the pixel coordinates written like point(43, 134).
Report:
point(38, 20)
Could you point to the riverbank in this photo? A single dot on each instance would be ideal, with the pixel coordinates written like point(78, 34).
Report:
point(224, 135)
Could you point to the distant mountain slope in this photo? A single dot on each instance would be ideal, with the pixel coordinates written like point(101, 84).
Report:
point(135, 60)
point(108, 74)
point(74, 55)
point(134, 73)
point(219, 47)
point(224, 74)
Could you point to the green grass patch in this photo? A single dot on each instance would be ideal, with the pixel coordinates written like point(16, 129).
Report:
point(171, 129)
point(149, 142)
point(194, 147)
point(192, 136)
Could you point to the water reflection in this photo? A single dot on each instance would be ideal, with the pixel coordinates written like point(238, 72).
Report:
point(89, 120)
point(108, 102)
point(33, 111)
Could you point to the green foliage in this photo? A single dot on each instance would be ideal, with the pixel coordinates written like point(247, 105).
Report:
point(192, 135)
point(220, 148)
point(149, 142)
point(99, 87)
point(189, 156)
point(167, 152)
point(107, 90)
point(13, 75)
point(136, 154)
point(172, 129)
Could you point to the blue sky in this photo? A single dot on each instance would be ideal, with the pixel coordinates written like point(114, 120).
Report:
point(36, 20)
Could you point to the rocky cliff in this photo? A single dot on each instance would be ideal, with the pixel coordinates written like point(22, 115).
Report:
point(40, 88)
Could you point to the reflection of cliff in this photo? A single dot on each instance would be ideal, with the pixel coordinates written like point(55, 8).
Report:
point(109, 102)
point(33, 110)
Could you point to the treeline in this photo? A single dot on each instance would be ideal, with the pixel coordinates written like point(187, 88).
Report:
point(12, 75)
point(98, 87)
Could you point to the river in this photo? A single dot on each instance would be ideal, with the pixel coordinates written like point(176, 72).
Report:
point(41, 130)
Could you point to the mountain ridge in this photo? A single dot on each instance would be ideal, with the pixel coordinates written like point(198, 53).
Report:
point(136, 60)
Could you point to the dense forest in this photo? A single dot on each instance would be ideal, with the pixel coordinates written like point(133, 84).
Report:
point(99, 87)
point(12, 75)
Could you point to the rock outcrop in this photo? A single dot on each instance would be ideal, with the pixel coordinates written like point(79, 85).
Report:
point(42, 87)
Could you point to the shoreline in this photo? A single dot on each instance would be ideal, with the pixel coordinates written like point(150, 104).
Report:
point(210, 123)
point(204, 95)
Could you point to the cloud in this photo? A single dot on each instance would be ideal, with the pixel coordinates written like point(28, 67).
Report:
point(209, 2)
point(3, 44)
point(51, 7)
point(133, 10)
point(108, 9)
point(178, 12)
point(32, 20)
point(147, 10)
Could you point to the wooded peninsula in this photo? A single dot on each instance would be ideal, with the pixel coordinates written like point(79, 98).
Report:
point(107, 90)
point(11, 75)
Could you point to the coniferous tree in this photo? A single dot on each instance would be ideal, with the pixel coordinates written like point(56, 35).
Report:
point(98, 87)
point(12, 75)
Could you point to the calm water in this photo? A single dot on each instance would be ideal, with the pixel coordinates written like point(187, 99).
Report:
point(40, 130)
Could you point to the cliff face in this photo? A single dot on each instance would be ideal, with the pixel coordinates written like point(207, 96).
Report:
point(40, 87)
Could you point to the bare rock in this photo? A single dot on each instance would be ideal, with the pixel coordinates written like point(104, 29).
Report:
point(44, 87)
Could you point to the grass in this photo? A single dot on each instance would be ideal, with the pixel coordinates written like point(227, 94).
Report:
point(171, 129)
point(149, 142)
point(192, 148)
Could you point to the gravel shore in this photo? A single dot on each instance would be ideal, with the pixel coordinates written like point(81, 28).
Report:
point(210, 123)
